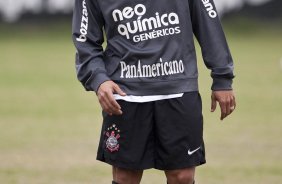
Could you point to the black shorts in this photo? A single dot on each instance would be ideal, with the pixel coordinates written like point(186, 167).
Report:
point(165, 134)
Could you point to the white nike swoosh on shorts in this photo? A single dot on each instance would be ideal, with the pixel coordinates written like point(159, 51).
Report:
point(192, 152)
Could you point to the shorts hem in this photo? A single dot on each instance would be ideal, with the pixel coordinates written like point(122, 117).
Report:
point(150, 165)
point(126, 165)
point(180, 166)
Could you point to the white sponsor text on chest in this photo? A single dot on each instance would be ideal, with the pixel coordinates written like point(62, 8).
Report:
point(145, 28)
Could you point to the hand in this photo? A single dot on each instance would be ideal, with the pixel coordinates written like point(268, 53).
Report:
point(106, 98)
point(226, 100)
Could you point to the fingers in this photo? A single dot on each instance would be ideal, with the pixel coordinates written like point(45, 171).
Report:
point(227, 106)
point(106, 98)
point(118, 90)
point(223, 110)
point(114, 106)
point(213, 103)
point(109, 104)
point(105, 107)
point(226, 102)
point(232, 104)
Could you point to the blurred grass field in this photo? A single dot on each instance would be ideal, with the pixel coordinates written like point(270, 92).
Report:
point(49, 126)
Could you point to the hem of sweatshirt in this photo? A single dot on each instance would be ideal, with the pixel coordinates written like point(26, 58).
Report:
point(159, 87)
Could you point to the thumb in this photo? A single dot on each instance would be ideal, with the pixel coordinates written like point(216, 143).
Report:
point(119, 91)
point(213, 103)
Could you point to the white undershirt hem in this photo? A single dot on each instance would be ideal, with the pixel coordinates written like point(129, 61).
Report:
point(150, 98)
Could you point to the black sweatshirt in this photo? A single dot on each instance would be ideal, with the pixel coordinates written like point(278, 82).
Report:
point(150, 47)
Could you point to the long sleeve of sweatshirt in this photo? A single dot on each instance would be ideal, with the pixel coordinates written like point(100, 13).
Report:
point(88, 39)
point(215, 51)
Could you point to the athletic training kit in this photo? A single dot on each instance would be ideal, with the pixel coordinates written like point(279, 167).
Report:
point(150, 54)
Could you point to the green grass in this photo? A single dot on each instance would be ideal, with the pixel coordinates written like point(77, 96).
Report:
point(49, 127)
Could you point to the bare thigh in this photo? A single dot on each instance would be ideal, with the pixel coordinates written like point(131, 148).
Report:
point(181, 176)
point(126, 176)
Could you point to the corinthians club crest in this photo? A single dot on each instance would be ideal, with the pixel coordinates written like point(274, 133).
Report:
point(113, 135)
